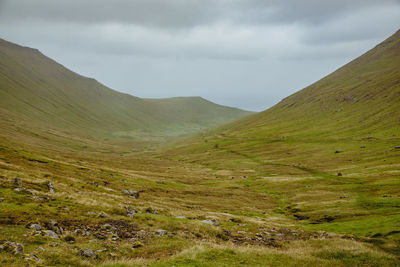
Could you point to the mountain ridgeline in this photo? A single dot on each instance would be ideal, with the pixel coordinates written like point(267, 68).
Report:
point(42, 93)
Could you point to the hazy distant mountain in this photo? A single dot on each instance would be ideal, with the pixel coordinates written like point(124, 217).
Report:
point(41, 93)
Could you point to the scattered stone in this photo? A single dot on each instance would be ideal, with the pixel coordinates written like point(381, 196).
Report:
point(212, 222)
point(124, 180)
point(17, 181)
point(114, 238)
point(362, 146)
point(50, 185)
point(397, 147)
point(51, 234)
point(53, 226)
point(338, 151)
point(130, 212)
point(1, 199)
point(53, 244)
point(137, 244)
point(102, 250)
point(100, 235)
point(151, 211)
point(131, 193)
point(33, 257)
point(69, 239)
point(339, 174)
point(112, 255)
point(103, 215)
point(161, 232)
point(342, 197)
point(241, 232)
point(12, 247)
point(40, 248)
point(88, 253)
point(181, 217)
point(36, 226)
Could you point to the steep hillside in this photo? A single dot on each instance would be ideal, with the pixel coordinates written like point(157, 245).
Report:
point(44, 94)
point(328, 155)
point(361, 98)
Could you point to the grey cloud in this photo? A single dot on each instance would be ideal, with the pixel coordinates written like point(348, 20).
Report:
point(235, 52)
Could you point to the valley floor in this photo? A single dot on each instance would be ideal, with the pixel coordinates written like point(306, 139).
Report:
point(127, 204)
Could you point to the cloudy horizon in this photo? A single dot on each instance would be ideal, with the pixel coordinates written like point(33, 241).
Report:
point(247, 54)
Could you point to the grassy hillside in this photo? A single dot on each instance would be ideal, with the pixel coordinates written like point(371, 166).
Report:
point(44, 94)
point(313, 181)
point(328, 155)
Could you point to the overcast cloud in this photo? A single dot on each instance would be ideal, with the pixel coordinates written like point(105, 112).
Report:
point(243, 53)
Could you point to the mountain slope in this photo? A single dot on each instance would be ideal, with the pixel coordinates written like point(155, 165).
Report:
point(41, 92)
point(360, 98)
point(328, 155)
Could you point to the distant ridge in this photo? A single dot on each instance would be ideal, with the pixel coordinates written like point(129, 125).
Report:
point(42, 93)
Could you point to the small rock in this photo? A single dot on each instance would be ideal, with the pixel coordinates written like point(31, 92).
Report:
point(51, 187)
point(114, 238)
point(181, 217)
point(338, 151)
point(342, 197)
point(88, 253)
point(161, 232)
point(362, 146)
point(112, 255)
point(131, 193)
point(1, 199)
point(130, 212)
point(151, 211)
point(124, 180)
point(17, 181)
point(339, 174)
point(137, 244)
point(102, 250)
point(212, 222)
point(53, 244)
point(12, 247)
point(241, 232)
point(397, 147)
point(69, 239)
point(103, 215)
point(53, 226)
point(101, 236)
point(33, 257)
point(36, 226)
point(51, 234)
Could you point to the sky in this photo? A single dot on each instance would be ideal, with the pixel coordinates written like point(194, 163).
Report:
point(243, 53)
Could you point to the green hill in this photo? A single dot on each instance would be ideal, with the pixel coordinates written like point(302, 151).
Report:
point(42, 93)
point(328, 155)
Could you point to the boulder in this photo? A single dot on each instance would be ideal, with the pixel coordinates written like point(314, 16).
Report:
point(12, 247)
point(88, 253)
point(36, 226)
point(50, 185)
point(211, 221)
point(51, 234)
point(161, 232)
point(131, 193)
point(151, 211)
point(53, 226)
point(130, 212)
point(17, 182)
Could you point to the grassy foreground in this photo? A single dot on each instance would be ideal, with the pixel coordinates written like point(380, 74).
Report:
point(255, 214)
